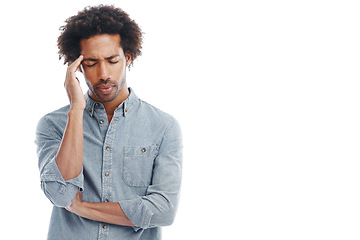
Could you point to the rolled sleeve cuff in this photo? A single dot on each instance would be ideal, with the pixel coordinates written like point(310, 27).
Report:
point(52, 173)
point(138, 213)
point(60, 192)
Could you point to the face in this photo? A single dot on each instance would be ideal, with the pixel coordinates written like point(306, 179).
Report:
point(104, 66)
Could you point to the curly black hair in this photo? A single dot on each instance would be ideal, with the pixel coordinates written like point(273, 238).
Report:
point(96, 20)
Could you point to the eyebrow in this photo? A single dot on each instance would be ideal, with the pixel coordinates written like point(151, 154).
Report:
point(95, 60)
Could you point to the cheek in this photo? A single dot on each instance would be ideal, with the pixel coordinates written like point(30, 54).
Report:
point(118, 72)
point(89, 75)
point(89, 84)
point(89, 80)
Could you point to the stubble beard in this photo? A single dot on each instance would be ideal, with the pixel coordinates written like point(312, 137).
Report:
point(110, 98)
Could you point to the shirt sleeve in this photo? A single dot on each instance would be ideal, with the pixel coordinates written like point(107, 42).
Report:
point(158, 207)
point(60, 192)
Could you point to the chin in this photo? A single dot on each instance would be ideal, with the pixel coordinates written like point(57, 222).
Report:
point(107, 98)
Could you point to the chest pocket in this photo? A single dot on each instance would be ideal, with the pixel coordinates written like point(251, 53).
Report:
point(138, 165)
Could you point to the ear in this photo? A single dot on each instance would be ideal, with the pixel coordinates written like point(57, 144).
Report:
point(128, 58)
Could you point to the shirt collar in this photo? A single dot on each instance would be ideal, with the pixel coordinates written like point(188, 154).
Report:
point(126, 106)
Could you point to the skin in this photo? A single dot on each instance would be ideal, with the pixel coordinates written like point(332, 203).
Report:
point(104, 67)
point(103, 63)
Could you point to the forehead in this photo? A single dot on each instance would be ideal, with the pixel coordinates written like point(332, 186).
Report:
point(101, 46)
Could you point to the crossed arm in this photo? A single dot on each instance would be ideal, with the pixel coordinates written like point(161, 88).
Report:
point(109, 212)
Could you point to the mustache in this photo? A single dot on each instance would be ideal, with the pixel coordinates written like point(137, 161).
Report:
point(105, 82)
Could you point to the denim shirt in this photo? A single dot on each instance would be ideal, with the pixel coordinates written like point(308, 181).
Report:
point(136, 160)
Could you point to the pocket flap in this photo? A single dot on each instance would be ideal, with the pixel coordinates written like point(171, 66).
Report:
point(141, 150)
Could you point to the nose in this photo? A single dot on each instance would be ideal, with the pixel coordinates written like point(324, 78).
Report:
point(103, 71)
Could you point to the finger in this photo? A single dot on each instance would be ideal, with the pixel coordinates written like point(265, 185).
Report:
point(75, 65)
point(70, 74)
point(79, 61)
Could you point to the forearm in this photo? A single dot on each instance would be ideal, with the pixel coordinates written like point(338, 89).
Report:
point(108, 212)
point(70, 156)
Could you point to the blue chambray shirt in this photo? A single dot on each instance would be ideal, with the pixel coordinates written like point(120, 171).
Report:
point(136, 160)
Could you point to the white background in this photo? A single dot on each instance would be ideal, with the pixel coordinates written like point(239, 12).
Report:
point(267, 94)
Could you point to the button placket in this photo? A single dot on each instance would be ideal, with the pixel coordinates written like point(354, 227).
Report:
point(101, 118)
point(104, 231)
point(106, 178)
point(107, 156)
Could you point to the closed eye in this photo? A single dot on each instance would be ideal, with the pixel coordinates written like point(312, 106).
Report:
point(112, 62)
point(90, 65)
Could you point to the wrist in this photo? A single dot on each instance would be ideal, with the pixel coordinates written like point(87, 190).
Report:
point(81, 209)
point(78, 207)
point(75, 111)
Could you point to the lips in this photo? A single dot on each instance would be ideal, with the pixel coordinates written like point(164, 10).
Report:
point(106, 89)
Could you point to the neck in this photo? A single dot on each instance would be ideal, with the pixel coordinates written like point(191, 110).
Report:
point(122, 96)
point(111, 106)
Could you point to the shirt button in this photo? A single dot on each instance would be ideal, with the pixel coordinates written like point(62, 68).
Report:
point(101, 121)
point(97, 104)
point(143, 150)
point(106, 200)
point(90, 111)
point(126, 110)
point(104, 227)
point(107, 173)
point(107, 148)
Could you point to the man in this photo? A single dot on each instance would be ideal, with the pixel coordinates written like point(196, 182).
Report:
point(109, 162)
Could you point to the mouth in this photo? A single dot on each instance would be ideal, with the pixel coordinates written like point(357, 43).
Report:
point(106, 89)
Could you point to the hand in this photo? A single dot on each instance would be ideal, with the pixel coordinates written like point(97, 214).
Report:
point(72, 86)
point(75, 207)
